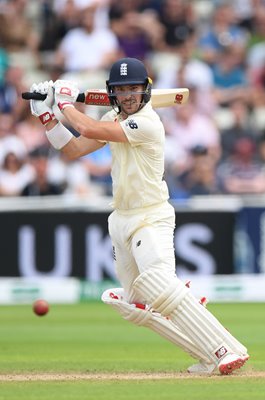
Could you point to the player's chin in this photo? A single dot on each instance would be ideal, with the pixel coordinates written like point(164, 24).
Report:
point(130, 108)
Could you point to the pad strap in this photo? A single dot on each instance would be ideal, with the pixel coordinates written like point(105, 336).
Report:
point(134, 313)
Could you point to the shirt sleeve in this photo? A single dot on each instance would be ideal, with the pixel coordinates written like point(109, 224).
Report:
point(140, 130)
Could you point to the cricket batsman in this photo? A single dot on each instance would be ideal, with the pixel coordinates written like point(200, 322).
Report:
point(142, 223)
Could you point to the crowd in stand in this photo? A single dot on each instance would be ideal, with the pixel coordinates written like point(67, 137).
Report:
point(215, 144)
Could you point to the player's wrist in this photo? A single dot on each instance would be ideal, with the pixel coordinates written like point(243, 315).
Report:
point(51, 124)
point(46, 117)
point(62, 105)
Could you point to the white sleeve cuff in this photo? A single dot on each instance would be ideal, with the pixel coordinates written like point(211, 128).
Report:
point(59, 136)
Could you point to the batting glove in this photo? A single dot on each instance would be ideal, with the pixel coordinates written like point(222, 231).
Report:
point(66, 93)
point(43, 108)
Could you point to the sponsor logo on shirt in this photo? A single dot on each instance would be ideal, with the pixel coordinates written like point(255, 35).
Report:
point(132, 124)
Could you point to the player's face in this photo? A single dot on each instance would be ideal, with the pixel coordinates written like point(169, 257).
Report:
point(129, 97)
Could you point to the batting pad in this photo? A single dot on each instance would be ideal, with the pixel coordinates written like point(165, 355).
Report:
point(141, 315)
point(169, 296)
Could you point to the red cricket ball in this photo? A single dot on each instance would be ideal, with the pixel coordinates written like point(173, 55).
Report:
point(40, 307)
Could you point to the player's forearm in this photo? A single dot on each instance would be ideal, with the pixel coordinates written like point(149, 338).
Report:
point(80, 122)
point(62, 139)
point(73, 149)
point(78, 147)
point(90, 128)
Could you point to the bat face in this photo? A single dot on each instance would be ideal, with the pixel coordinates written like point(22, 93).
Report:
point(169, 97)
point(159, 97)
point(97, 97)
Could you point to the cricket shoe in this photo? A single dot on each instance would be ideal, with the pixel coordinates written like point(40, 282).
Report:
point(202, 368)
point(231, 362)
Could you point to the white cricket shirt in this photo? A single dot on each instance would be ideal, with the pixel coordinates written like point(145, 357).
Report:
point(138, 166)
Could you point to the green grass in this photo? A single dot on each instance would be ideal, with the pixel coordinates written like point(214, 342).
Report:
point(91, 337)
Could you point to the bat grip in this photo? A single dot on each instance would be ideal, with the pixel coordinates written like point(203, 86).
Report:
point(39, 96)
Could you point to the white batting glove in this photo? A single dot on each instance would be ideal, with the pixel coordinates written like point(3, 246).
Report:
point(43, 108)
point(66, 93)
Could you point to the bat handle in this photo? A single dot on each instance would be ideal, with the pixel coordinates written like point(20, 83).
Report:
point(39, 96)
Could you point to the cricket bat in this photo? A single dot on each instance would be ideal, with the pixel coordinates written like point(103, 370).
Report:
point(99, 97)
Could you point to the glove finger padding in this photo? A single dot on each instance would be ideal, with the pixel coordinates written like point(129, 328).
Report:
point(34, 87)
point(57, 112)
point(50, 96)
point(34, 107)
point(41, 87)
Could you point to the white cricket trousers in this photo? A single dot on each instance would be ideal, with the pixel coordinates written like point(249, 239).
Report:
point(142, 241)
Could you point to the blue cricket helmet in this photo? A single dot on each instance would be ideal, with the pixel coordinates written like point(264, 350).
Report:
point(128, 71)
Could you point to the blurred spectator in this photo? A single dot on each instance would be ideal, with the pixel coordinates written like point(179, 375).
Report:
point(118, 8)
point(68, 11)
point(241, 127)
point(258, 19)
point(198, 179)
point(228, 71)
point(18, 36)
point(86, 48)
point(10, 93)
point(244, 11)
point(256, 45)
point(261, 147)
point(257, 75)
point(230, 76)
point(255, 61)
point(222, 31)
point(188, 71)
point(73, 176)
point(57, 18)
point(9, 142)
point(191, 128)
point(177, 160)
point(135, 37)
point(15, 175)
point(4, 63)
point(241, 173)
point(178, 19)
point(31, 132)
point(257, 97)
point(98, 165)
point(40, 185)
